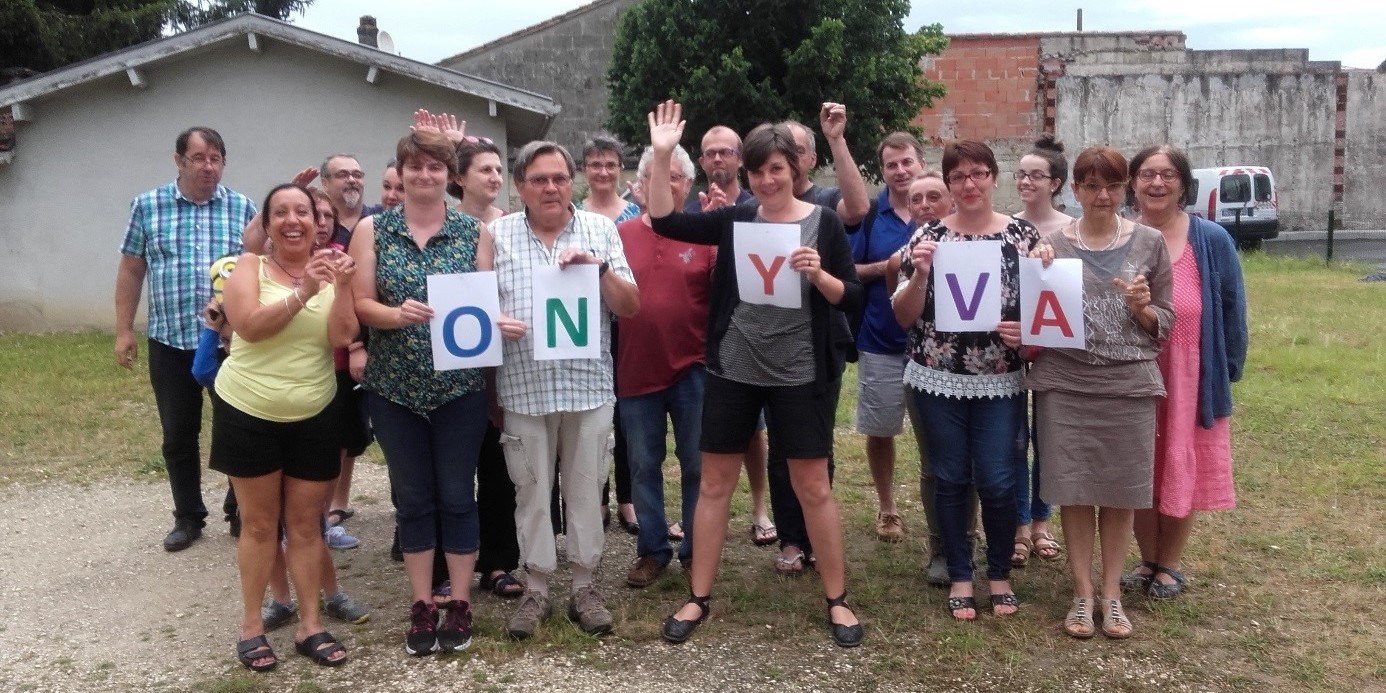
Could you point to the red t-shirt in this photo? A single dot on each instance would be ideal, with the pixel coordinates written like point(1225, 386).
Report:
point(669, 334)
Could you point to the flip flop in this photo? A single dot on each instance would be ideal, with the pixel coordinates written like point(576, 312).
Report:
point(676, 532)
point(1045, 542)
point(790, 566)
point(764, 535)
point(338, 516)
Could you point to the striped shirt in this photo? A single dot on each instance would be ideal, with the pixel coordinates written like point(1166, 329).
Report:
point(537, 388)
point(179, 240)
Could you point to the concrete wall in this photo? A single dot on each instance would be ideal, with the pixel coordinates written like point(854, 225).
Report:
point(1364, 174)
point(64, 200)
point(565, 59)
point(1221, 107)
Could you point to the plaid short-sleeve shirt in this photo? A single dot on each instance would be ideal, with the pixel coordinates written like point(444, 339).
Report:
point(179, 239)
point(537, 388)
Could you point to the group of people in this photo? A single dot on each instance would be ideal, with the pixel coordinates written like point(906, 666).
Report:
point(487, 466)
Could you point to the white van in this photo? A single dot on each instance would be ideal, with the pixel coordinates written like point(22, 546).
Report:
point(1243, 199)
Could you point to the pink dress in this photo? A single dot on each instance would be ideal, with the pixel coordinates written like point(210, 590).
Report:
point(1193, 465)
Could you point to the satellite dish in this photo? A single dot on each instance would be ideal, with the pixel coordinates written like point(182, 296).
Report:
point(385, 43)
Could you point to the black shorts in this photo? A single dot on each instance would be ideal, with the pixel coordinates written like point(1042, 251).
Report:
point(800, 417)
point(354, 427)
point(248, 446)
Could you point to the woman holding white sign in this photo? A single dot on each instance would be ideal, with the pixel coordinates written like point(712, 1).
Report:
point(769, 344)
point(1204, 356)
point(968, 385)
point(430, 423)
point(1096, 405)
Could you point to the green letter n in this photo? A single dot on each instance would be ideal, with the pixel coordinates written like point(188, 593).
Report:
point(578, 333)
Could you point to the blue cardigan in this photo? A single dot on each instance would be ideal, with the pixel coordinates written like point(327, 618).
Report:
point(1223, 331)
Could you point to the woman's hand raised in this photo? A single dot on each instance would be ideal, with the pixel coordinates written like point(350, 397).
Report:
point(666, 126)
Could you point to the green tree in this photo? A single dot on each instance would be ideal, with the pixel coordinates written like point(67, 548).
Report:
point(43, 35)
point(744, 62)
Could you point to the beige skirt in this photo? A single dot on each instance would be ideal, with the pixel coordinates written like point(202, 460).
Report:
point(1096, 450)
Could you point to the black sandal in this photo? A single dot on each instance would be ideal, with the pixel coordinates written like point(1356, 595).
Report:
point(1160, 591)
point(677, 630)
point(503, 585)
point(1136, 582)
point(312, 648)
point(956, 604)
point(246, 652)
point(1005, 599)
point(844, 635)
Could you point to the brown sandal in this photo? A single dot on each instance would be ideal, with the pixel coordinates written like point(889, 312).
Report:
point(1078, 623)
point(1021, 554)
point(1114, 619)
point(1046, 546)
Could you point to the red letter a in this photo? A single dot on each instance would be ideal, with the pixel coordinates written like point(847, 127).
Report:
point(1047, 299)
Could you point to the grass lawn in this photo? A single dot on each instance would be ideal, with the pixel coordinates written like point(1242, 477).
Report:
point(1289, 590)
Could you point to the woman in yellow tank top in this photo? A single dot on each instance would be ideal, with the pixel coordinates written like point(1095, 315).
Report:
point(272, 428)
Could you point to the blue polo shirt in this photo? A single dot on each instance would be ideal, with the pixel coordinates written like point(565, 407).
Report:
point(880, 334)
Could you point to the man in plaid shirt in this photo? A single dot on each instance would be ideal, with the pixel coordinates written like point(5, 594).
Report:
point(175, 233)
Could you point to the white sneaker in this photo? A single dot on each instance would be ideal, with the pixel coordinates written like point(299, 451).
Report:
point(337, 538)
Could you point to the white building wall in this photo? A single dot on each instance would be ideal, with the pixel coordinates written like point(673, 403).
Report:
point(64, 200)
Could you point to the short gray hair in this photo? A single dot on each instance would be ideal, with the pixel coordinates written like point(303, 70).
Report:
point(537, 148)
point(603, 143)
point(681, 160)
point(812, 140)
point(322, 170)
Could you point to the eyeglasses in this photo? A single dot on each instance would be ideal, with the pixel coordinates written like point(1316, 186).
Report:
point(352, 175)
point(558, 181)
point(1112, 189)
point(976, 177)
point(1168, 175)
point(724, 152)
point(1035, 176)
point(203, 160)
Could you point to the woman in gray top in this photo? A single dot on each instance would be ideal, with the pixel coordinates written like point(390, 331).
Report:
point(1096, 405)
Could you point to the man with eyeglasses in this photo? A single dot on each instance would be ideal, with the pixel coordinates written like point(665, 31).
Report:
point(881, 401)
point(721, 162)
point(174, 234)
point(557, 412)
point(345, 184)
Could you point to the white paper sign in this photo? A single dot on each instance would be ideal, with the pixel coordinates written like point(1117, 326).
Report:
point(567, 312)
point(1051, 303)
point(463, 328)
point(763, 274)
point(967, 286)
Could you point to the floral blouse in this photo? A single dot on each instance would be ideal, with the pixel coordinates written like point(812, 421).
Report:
point(968, 364)
point(400, 367)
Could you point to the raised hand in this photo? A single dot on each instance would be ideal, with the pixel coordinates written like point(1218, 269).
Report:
point(305, 177)
point(637, 193)
point(832, 119)
point(453, 129)
point(424, 122)
point(666, 126)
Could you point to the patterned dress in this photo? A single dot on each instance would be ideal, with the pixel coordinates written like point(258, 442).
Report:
point(1193, 465)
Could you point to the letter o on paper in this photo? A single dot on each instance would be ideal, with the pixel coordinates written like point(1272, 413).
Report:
point(450, 331)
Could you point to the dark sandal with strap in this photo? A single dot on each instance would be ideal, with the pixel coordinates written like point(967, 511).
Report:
point(844, 635)
point(1136, 582)
point(1160, 591)
point(1005, 599)
point(313, 648)
point(956, 604)
point(337, 517)
point(503, 585)
point(677, 630)
point(251, 649)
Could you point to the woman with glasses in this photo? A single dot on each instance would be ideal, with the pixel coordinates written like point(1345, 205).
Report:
point(1204, 356)
point(1096, 405)
point(1039, 179)
point(968, 385)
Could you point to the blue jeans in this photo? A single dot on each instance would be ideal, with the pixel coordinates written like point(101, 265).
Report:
point(1029, 507)
point(972, 443)
point(432, 461)
point(643, 417)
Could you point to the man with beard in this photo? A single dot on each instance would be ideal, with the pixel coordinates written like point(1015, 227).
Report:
point(344, 182)
point(174, 234)
point(721, 162)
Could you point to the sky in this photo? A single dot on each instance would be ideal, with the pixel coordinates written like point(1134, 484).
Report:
point(1352, 32)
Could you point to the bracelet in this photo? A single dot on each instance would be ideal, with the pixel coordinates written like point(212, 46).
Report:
point(288, 308)
point(301, 304)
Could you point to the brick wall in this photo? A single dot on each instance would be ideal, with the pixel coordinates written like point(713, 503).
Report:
point(992, 88)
